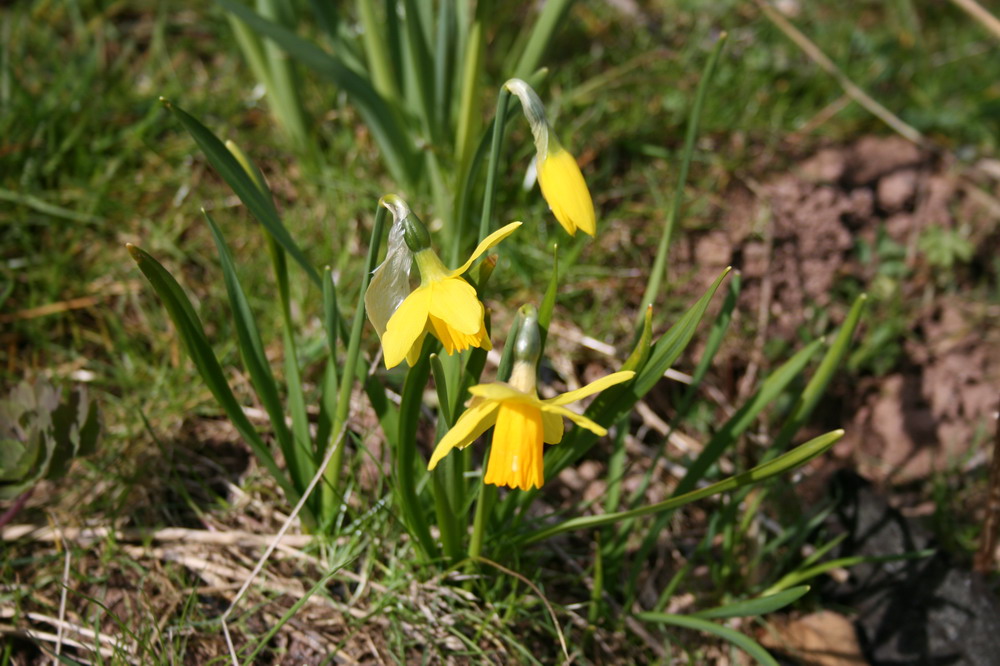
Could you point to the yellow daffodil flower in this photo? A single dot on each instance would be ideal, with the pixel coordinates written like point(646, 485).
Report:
point(559, 175)
point(521, 420)
point(444, 304)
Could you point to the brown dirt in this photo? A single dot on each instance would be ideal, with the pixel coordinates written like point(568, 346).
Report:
point(794, 237)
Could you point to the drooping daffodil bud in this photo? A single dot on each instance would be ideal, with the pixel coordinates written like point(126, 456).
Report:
point(559, 175)
point(444, 304)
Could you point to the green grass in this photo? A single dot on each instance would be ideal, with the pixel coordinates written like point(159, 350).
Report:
point(89, 160)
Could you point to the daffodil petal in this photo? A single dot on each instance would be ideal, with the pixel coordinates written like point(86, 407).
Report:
point(405, 326)
point(553, 427)
point(516, 454)
point(501, 391)
point(578, 419)
point(413, 355)
point(473, 422)
point(565, 190)
point(454, 301)
point(486, 244)
point(591, 388)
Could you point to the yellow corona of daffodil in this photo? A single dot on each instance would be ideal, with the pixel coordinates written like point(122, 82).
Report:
point(559, 175)
point(444, 304)
point(522, 421)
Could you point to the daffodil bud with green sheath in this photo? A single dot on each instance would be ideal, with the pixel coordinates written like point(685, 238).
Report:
point(444, 304)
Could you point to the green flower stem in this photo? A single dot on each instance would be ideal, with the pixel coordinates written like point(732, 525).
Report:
point(489, 195)
point(447, 520)
point(658, 272)
point(406, 455)
point(301, 461)
point(794, 458)
point(332, 475)
point(484, 504)
point(454, 466)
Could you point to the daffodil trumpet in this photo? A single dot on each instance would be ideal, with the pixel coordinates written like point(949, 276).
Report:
point(444, 304)
point(559, 175)
point(521, 421)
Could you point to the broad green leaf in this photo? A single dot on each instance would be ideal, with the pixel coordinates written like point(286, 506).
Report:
point(250, 345)
point(419, 70)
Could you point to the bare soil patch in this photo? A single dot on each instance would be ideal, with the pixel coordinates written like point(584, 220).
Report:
point(807, 239)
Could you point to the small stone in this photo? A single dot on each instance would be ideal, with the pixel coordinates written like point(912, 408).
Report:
point(896, 190)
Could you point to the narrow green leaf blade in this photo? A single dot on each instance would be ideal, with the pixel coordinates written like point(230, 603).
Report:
point(376, 111)
point(259, 204)
point(820, 380)
point(248, 339)
point(742, 641)
point(798, 456)
point(772, 388)
point(758, 606)
point(193, 336)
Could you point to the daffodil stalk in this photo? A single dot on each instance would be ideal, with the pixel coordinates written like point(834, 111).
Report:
point(338, 431)
point(499, 124)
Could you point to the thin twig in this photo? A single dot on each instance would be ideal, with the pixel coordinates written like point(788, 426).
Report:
point(62, 599)
point(538, 593)
point(45, 636)
point(139, 535)
point(976, 11)
point(984, 560)
point(852, 90)
point(16, 507)
point(277, 538)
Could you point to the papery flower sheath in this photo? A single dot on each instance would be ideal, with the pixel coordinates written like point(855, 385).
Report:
point(444, 304)
point(559, 175)
point(521, 422)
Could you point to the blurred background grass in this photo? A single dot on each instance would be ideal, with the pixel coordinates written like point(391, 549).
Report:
point(89, 160)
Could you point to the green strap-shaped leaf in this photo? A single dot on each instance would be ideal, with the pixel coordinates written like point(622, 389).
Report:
point(260, 204)
point(742, 641)
point(193, 336)
point(820, 380)
point(250, 345)
point(789, 461)
point(614, 403)
point(376, 111)
point(758, 606)
point(773, 387)
point(802, 575)
point(551, 17)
